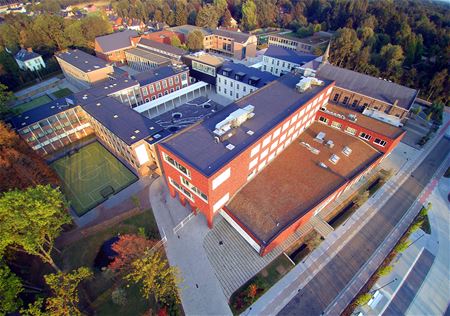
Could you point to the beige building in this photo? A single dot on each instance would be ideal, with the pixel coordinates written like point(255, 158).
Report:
point(304, 45)
point(81, 69)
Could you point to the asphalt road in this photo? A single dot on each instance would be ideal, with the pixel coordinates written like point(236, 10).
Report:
point(331, 279)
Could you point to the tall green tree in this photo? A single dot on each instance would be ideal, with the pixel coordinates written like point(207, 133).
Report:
point(249, 17)
point(64, 286)
point(207, 17)
point(195, 40)
point(181, 15)
point(30, 221)
point(156, 278)
point(5, 98)
point(438, 83)
point(50, 31)
point(345, 47)
point(10, 288)
point(391, 60)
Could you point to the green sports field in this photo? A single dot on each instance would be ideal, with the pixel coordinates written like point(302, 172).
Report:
point(91, 175)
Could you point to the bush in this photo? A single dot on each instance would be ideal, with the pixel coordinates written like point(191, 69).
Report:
point(402, 246)
point(363, 299)
point(119, 297)
point(384, 271)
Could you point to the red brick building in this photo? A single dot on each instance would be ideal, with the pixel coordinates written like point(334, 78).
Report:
point(162, 81)
point(266, 164)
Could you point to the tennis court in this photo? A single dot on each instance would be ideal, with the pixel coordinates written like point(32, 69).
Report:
point(90, 175)
point(33, 103)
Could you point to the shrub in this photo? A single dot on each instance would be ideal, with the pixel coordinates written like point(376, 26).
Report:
point(402, 246)
point(363, 299)
point(384, 271)
point(119, 297)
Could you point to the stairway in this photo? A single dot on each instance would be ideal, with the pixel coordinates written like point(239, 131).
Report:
point(320, 226)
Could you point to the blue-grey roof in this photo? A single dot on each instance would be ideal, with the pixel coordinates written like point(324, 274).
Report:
point(121, 120)
point(289, 55)
point(156, 74)
point(39, 113)
point(153, 45)
point(24, 55)
point(115, 41)
point(81, 60)
point(237, 36)
point(242, 73)
point(273, 103)
point(379, 89)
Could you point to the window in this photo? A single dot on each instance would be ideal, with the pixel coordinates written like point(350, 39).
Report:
point(253, 163)
point(345, 100)
point(181, 189)
point(170, 81)
point(177, 165)
point(164, 84)
point(144, 90)
point(166, 92)
point(244, 88)
point(266, 141)
point(350, 130)
point(355, 103)
point(336, 125)
point(264, 154)
point(336, 97)
point(237, 95)
point(323, 119)
point(177, 80)
point(194, 189)
point(152, 89)
point(231, 84)
point(380, 142)
point(276, 133)
point(158, 86)
point(365, 136)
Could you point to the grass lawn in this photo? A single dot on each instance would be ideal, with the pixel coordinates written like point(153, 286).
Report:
point(99, 288)
point(91, 175)
point(264, 280)
point(33, 103)
point(64, 92)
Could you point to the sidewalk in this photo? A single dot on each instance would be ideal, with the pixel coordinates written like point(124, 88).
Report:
point(201, 292)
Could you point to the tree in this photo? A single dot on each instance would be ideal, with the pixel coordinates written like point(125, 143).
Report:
point(252, 291)
point(49, 29)
point(384, 271)
point(207, 17)
point(195, 40)
point(226, 19)
point(64, 286)
point(5, 98)
point(312, 240)
point(181, 16)
point(267, 12)
point(391, 60)
point(363, 299)
point(156, 277)
point(119, 297)
point(129, 248)
point(21, 165)
point(221, 6)
point(174, 41)
point(345, 47)
point(34, 309)
point(249, 18)
point(437, 84)
point(361, 198)
point(31, 221)
point(10, 288)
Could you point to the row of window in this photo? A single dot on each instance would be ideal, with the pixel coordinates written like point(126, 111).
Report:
point(352, 131)
point(166, 92)
point(150, 89)
point(194, 189)
point(181, 189)
point(176, 165)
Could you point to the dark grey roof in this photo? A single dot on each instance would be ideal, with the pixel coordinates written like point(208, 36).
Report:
point(186, 29)
point(121, 120)
point(373, 87)
point(161, 47)
point(156, 74)
point(24, 55)
point(237, 36)
point(149, 55)
point(245, 74)
point(273, 103)
point(289, 55)
point(81, 60)
point(115, 41)
point(39, 113)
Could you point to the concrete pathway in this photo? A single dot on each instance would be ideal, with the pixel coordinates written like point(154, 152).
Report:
point(201, 292)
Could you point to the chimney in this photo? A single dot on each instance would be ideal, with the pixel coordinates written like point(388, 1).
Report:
point(29, 49)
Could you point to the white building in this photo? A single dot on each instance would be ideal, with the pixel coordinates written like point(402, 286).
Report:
point(280, 60)
point(235, 81)
point(26, 59)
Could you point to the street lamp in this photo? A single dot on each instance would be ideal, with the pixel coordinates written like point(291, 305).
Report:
point(390, 282)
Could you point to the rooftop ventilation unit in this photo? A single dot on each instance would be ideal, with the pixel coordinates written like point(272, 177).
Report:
point(330, 143)
point(250, 132)
point(321, 164)
point(224, 129)
point(115, 116)
point(315, 151)
point(352, 117)
point(346, 151)
point(334, 159)
point(320, 137)
point(230, 146)
point(306, 82)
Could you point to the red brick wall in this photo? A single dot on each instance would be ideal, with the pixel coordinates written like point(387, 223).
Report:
point(145, 90)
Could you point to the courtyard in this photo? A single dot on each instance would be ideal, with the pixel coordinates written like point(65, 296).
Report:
point(90, 175)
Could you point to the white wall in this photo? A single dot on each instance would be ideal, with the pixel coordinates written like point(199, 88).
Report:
point(277, 66)
point(232, 89)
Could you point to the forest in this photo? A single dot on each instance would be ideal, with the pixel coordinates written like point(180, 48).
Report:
point(404, 41)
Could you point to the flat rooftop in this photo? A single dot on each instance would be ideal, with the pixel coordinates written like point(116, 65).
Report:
point(245, 74)
point(273, 103)
point(159, 73)
point(206, 59)
point(368, 122)
point(315, 39)
point(81, 60)
point(143, 53)
point(294, 183)
point(289, 55)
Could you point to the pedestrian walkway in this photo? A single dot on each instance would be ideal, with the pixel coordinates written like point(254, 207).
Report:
point(201, 292)
point(321, 226)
